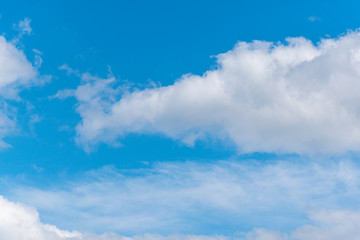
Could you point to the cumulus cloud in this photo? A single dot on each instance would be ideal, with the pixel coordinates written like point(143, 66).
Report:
point(15, 70)
point(16, 73)
point(264, 96)
point(188, 197)
point(21, 222)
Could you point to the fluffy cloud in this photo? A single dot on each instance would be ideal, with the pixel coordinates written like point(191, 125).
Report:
point(20, 222)
point(263, 96)
point(15, 70)
point(190, 197)
point(16, 73)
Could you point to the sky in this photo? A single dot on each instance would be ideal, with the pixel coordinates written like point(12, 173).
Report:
point(172, 120)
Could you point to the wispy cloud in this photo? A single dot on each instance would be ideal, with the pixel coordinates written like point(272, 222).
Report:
point(23, 27)
point(263, 96)
point(314, 18)
point(21, 222)
point(190, 197)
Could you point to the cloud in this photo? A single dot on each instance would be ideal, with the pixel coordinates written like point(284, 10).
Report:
point(199, 198)
point(23, 27)
point(15, 70)
point(269, 97)
point(16, 73)
point(331, 225)
point(314, 19)
point(326, 225)
point(113, 236)
point(21, 222)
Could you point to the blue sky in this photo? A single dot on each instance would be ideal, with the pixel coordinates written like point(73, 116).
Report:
point(179, 119)
point(140, 42)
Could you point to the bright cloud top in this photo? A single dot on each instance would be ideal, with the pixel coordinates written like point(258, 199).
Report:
point(15, 69)
point(18, 221)
point(16, 73)
point(263, 96)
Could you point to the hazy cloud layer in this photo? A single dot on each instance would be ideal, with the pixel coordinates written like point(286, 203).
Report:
point(263, 96)
point(185, 197)
point(20, 222)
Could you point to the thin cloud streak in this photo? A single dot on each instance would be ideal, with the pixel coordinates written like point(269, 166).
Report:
point(185, 197)
point(21, 222)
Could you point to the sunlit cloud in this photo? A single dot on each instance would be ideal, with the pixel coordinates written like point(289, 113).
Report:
point(294, 97)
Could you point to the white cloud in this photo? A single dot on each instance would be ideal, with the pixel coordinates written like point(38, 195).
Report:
point(326, 225)
point(16, 73)
point(314, 19)
point(173, 197)
point(20, 222)
point(331, 225)
point(15, 70)
point(23, 27)
point(113, 236)
point(263, 96)
point(262, 234)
